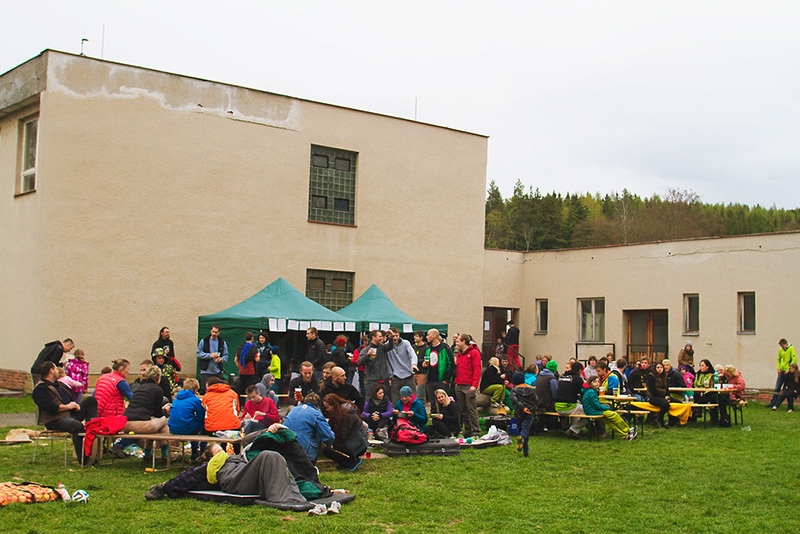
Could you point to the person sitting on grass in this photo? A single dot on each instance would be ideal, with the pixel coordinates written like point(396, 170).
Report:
point(411, 408)
point(350, 440)
point(791, 388)
point(445, 422)
point(525, 401)
point(187, 414)
point(592, 406)
point(307, 421)
point(259, 412)
point(493, 382)
point(378, 412)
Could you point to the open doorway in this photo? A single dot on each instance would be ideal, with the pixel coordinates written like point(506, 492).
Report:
point(648, 334)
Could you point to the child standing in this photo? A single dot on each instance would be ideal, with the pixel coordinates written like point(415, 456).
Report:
point(525, 402)
point(592, 406)
point(77, 368)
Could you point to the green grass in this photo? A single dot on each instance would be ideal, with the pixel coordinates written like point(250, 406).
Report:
point(17, 405)
point(683, 480)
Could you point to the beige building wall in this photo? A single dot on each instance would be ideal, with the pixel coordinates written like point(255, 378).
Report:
point(160, 198)
point(656, 276)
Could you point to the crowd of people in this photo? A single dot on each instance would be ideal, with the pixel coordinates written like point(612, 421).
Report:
point(342, 395)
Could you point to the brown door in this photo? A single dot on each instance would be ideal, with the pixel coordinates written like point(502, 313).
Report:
point(648, 334)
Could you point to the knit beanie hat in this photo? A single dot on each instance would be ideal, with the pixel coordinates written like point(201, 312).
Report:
point(517, 378)
point(405, 391)
point(552, 366)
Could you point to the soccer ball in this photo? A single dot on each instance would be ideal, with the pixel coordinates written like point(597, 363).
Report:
point(80, 496)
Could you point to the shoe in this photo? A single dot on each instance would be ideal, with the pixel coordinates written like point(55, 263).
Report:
point(789, 411)
point(520, 443)
point(334, 507)
point(119, 452)
point(774, 408)
point(571, 435)
point(724, 424)
point(602, 436)
point(631, 434)
point(155, 492)
point(319, 509)
point(356, 466)
point(525, 453)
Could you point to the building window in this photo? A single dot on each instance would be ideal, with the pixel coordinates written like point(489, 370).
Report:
point(747, 312)
point(332, 289)
point(592, 319)
point(541, 316)
point(28, 135)
point(332, 186)
point(691, 313)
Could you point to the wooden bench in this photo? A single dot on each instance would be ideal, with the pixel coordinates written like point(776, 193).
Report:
point(181, 438)
point(577, 416)
point(704, 409)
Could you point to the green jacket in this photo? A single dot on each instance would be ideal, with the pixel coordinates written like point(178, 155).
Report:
point(786, 358)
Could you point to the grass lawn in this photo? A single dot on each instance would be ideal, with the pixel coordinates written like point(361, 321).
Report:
point(668, 481)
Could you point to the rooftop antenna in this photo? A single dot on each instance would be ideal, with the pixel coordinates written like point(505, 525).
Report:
point(83, 41)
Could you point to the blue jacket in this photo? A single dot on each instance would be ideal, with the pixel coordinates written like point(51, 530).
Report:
point(311, 428)
point(187, 413)
point(591, 403)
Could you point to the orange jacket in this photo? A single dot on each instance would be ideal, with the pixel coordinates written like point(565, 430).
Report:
point(222, 408)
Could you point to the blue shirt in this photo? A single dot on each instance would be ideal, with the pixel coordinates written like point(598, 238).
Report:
point(214, 368)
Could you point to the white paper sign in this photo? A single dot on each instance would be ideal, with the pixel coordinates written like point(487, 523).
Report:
point(373, 326)
point(317, 324)
point(338, 326)
point(486, 326)
point(349, 327)
point(273, 324)
point(385, 326)
point(408, 328)
point(325, 325)
point(293, 325)
point(281, 325)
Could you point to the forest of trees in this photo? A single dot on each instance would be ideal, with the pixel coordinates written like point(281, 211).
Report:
point(529, 220)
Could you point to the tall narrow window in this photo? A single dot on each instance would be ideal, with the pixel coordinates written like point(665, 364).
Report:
point(541, 316)
point(28, 134)
point(592, 319)
point(747, 312)
point(691, 313)
point(332, 186)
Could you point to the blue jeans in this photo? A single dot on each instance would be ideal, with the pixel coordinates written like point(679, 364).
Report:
point(524, 420)
point(778, 386)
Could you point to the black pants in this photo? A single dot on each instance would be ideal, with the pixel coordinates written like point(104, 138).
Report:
point(662, 403)
point(73, 424)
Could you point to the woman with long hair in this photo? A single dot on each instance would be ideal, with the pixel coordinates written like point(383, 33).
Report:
point(444, 416)
point(658, 391)
point(350, 440)
point(791, 388)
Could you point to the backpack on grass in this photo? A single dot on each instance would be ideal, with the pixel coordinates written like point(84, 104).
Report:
point(405, 432)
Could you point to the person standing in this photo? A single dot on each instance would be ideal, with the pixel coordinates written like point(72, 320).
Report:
point(439, 364)
point(165, 343)
point(512, 341)
point(374, 359)
point(316, 352)
point(468, 377)
point(786, 357)
point(52, 352)
point(212, 353)
point(420, 376)
point(402, 363)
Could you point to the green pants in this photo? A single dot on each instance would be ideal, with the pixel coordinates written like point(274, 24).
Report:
point(496, 392)
point(617, 424)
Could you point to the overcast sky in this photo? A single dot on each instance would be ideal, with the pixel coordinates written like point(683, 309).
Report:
point(575, 96)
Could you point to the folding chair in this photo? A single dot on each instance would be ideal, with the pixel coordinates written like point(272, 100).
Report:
point(51, 436)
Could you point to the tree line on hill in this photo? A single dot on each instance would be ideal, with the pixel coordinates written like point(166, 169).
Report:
point(529, 220)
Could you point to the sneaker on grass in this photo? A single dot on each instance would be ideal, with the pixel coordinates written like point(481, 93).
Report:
point(631, 434)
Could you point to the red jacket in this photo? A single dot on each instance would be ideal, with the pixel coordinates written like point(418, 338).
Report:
point(468, 367)
point(222, 408)
point(109, 400)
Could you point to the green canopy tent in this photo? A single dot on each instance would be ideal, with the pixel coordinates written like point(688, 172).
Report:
point(278, 308)
point(374, 307)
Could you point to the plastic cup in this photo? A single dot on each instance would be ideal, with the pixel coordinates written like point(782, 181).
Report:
point(298, 394)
